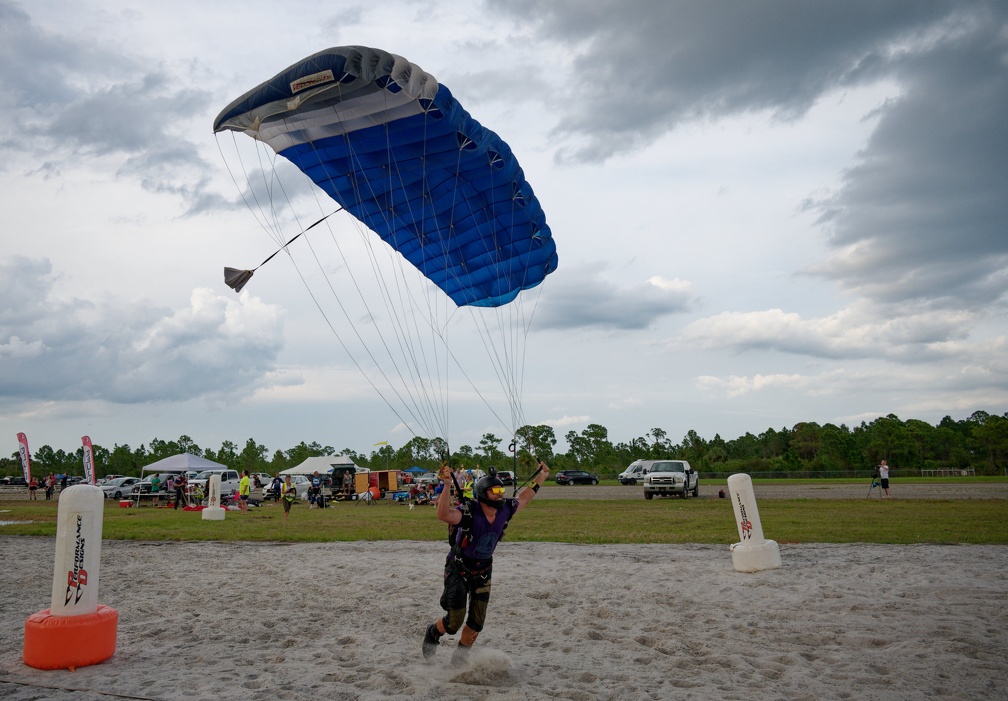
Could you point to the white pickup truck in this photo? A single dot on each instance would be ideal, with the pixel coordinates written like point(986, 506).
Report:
point(671, 477)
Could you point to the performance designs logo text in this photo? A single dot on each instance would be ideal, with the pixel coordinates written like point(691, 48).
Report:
point(745, 524)
point(312, 80)
point(78, 576)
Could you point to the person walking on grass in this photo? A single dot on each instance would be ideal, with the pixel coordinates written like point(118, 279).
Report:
point(288, 493)
point(244, 490)
point(475, 527)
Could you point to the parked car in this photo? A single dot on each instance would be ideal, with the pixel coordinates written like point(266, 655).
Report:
point(507, 477)
point(119, 487)
point(576, 477)
point(671, 478)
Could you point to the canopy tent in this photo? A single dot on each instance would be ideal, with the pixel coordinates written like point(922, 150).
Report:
point(323, 464)
point(183, 462)
point(415, 470)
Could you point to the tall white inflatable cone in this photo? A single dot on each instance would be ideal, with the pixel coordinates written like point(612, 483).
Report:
point(753, 552)
point(214, 511)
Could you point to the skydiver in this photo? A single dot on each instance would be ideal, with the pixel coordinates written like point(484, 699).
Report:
point(476, 526)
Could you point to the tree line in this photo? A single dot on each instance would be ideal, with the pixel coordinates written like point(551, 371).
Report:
point(979, 442)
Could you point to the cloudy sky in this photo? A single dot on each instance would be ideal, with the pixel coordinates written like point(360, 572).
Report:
point(765, 213)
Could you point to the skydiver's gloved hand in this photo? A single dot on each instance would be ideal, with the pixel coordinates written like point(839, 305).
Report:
point(444, 472)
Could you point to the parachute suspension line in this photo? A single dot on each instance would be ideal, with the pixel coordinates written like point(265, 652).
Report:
point(438, 386)
point(339, 339)
point(345, 313)
point(257, 211)
point(421, 414)
point(503, 343)
point(304, 281)
point(407, 313)
point(496, 344)
point(438, 323)
point(416, 408)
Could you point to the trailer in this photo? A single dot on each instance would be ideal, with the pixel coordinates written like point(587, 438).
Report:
point(385, 480)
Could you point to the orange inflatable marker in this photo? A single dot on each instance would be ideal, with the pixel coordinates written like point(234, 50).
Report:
point(75, 631)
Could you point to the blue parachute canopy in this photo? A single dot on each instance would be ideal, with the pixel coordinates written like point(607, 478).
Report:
point(395, 149)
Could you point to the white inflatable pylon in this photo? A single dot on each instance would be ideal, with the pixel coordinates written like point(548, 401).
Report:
point(753, 552)
point(214, 511)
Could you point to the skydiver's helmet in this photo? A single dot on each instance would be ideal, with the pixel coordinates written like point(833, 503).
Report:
point(489, 490)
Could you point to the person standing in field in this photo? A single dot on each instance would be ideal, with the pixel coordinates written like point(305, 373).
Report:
point(288, 493)
point(180, 488)
point(33, 488)
point(244, 490)
point(884, 476)
point(315, 491)
point(475, 527)
point(155, 488)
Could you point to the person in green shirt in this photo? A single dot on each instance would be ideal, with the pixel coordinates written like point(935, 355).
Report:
point(155, 487)
point(289, 493)
point(244, 490)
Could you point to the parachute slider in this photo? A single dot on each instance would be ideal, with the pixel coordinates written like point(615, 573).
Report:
point(236, 278)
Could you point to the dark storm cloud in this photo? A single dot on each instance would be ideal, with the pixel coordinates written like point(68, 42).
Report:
point(67, 99)
point(581, 298)
point(922, 215)
point(642, 67)
point(39, 69)
point(57, 348)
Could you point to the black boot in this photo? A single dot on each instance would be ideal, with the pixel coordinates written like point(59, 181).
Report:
point(430, 641)
point(460, 658)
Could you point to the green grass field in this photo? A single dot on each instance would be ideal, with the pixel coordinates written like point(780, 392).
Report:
point(561, 520)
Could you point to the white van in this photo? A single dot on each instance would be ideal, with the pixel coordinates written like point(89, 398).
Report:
point(636, 473)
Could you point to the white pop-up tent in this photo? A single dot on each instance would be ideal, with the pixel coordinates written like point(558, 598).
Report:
point(323, 464)
point(183, 462)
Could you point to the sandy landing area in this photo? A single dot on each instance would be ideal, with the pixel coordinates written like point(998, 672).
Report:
point(344, 621)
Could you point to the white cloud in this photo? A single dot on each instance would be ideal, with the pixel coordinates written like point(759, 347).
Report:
point(566, 422)
point(854, 332)
point(735, 385)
